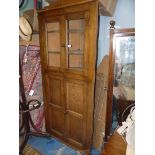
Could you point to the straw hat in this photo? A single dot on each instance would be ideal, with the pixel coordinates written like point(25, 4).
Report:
point(25, 29)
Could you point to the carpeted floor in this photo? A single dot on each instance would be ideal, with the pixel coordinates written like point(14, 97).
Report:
point(51, 146)
point(29, 150)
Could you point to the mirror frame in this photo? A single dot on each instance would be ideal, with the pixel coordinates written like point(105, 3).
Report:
point(113, 35)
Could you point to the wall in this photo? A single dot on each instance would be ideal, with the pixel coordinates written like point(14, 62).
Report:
point(124, 17)
point(28, 5)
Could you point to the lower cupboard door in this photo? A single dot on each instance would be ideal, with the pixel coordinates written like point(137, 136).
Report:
point(55, 121)
point(76, 112)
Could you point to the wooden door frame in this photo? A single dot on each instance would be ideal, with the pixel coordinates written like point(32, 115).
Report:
point(113, 33)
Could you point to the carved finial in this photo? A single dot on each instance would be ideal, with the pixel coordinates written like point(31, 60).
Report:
point(112, 24)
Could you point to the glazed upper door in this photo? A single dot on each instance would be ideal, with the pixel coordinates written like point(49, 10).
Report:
point(65, 43)
point(53, 54)
point(75, 44)
point(76, 37)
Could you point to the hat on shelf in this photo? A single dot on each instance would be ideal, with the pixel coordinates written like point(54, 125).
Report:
point(25, 29)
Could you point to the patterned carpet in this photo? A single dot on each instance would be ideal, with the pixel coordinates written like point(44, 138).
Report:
point(32, 79)
point(51, 146)
point(29, 150)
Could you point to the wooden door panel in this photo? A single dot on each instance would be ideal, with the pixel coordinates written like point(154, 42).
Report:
point(55, 91)
point(56, 120)
point(55, 106)
point(75, 129)
point(75, 94)
point(75, 97)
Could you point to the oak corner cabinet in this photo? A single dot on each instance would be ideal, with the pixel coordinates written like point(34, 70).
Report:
point(68, 43)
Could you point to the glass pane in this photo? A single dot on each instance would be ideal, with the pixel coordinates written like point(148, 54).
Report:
point(76, 24)
point(53, 26)
point(75, 43)
point(54, 59)
point(76, 34)
point(125, 62)
point(75, 61)
point(53, 44)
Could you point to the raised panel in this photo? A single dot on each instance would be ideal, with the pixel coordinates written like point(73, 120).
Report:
point(55, 91)
point(56, 120)
point(75, 97)
point(75, 129)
